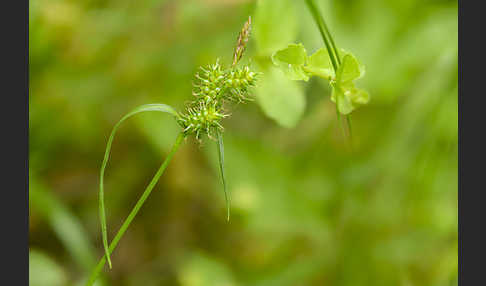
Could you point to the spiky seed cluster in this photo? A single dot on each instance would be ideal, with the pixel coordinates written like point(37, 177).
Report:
point(239, 80)
point(201, 118)
point(210, 81)
point(215, 86)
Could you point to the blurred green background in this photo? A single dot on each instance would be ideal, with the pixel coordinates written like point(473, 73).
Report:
point(306, 208)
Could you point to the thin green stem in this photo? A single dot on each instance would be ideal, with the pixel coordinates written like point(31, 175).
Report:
point(330, 46)
point(331, 39)
point(99, 267)
point(326, 35)
point(350, 130)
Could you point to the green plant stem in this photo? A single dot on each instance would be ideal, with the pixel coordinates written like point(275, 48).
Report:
point(330, 46)
point(326, 35)
point(99, 267)
point(350, 132)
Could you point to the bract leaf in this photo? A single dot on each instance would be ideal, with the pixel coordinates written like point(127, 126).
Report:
point(221, 168)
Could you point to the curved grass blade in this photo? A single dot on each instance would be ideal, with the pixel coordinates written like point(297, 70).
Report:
point(143, 108)
point(221, 168)
point(96, 271)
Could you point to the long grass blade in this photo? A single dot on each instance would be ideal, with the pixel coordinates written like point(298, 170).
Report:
point(143, 108)
point(221, 168)
point(96, 271)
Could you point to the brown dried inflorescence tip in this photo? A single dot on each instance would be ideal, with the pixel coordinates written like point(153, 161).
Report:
point(242, 40)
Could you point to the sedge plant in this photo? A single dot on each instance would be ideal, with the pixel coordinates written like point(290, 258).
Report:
point(215, 87)
point(339, 67)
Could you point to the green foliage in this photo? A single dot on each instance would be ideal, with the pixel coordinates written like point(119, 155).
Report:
point(280, 99)
point(319, 64)
point(344, 92)
point(296, 65)
point(276, 24)
point(109, 249)
point(203, 115)
point(291, 61)
point(304, 210)
point(143, 108)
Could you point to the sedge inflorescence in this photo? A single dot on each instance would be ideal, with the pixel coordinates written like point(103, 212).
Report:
point(215, 86)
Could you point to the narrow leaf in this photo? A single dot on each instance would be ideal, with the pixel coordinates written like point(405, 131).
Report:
point(221, 168)
point(143, 108)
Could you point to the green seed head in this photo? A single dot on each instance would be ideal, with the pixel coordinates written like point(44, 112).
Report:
point(214, 86)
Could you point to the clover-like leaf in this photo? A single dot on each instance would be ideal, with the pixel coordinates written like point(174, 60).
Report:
point(291, 61)
point(296, 65)
point(347, 97)
point(359, 97)
point(320, 65)
point(343, 102)
point(349, 69)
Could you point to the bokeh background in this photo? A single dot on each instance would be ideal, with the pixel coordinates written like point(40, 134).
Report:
point(307, 208)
